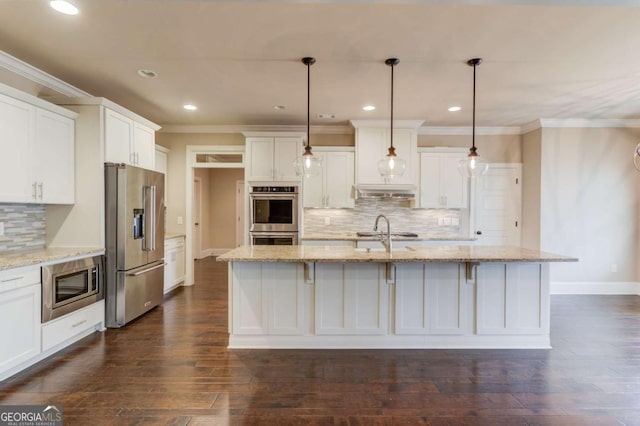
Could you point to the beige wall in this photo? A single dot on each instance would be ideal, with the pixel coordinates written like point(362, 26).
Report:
point(493, 148)
point(531, 168)
point(589, 202)
point(222, 217)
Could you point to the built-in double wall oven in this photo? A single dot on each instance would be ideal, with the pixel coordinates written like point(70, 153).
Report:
point(72, 285)
point(274, 215)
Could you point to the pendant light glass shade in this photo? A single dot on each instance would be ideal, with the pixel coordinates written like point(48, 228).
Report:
point(391, 165)
point(636, 157)
point(473, 165)
point(307, 164)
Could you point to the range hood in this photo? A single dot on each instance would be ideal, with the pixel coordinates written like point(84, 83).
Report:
point(400, 191)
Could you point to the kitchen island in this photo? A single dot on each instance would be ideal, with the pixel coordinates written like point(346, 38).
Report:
point(415, 297)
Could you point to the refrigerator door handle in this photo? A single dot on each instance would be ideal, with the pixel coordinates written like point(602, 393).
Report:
point(152, 206)
point(144, 271)
point(145, 206)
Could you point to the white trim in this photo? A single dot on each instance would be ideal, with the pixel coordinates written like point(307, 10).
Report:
point(36, 75)
point(283, 134)
point(530, 127)
point(541, 341)
point(233, 128)
point(468, 130)
point(33, 100)
point(596, 287)
point(397, 124)
point(581, 122)
point(162, 149)
point(448, 149)
point(329, 148)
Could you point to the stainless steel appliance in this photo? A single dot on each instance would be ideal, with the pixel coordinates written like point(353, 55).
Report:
point(72, 285)
point(274, 215)
point(134, 236)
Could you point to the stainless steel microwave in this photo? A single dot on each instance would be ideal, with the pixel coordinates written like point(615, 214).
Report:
point(69, 286)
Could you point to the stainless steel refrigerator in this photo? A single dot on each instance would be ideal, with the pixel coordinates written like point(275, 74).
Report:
point(134, 236)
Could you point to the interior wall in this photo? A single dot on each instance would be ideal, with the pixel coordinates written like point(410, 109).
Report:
point(222, 211)
point(493, 148)
point(531, 168)
point(589, 202)
point(177, 143)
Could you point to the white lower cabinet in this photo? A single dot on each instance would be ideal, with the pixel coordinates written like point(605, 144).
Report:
point(430, 298)
point(174, 266)
point(267, 298)
point(74, 325)
point(19, 317)
point(351, 298)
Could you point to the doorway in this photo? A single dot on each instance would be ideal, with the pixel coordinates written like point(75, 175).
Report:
point(498, 196)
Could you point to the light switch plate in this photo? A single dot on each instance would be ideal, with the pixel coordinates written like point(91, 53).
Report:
point(179, 220)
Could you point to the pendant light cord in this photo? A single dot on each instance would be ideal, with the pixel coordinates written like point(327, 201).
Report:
point(391, 126)
point(309, 100)
point(473, 129)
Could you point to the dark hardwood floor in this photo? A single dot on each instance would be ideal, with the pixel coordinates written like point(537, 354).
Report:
point(172, 367)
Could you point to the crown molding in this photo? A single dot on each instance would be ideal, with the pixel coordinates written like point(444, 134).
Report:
point(467, 130)
point(398, 124)
point(36, 75)
point(587, 122)
point(530, 127)
point(237, 128)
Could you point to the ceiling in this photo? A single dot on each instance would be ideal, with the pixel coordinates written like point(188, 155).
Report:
point(237, 60)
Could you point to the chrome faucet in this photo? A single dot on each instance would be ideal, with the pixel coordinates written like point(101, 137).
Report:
point(387, 243)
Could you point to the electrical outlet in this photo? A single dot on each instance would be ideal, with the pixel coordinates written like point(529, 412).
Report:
point(327, 220)
point(614, 267)
point(179, 220)
point(1, 229)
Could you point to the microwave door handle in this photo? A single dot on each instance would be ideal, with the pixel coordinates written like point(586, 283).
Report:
point(152, 216)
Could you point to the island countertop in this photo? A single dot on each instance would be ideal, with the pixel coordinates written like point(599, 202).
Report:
point(408, 254)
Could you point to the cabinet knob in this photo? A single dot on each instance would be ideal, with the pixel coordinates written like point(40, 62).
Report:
point(479, 232)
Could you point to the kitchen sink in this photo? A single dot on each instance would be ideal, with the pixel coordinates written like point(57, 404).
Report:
point(393, 234)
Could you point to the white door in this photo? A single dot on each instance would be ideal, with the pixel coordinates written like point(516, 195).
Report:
point(239, 213)
point(197, 228)
point(498, 206)
point(16, 132)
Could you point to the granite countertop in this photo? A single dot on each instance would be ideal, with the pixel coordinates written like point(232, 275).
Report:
point(352, 236)
point(409, 254)
point(46, 256)
point(170, 236)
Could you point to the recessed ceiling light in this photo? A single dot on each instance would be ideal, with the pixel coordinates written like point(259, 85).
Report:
point(63, 6)
point(454, 108)
point(280, 107)
point(147, 73)
point(190, 107)
point(368, 107)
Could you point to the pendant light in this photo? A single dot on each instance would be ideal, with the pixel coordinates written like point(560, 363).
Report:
point(391, 165)
point(473, 165)
point(636, 157)
point(308, 164)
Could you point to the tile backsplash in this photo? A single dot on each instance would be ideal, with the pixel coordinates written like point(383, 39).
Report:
point(24, 226)
point(403, 218)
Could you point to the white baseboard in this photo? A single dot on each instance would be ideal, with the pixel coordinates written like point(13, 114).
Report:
point(596, 287)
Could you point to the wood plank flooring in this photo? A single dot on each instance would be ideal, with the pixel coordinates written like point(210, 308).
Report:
point(172, 367)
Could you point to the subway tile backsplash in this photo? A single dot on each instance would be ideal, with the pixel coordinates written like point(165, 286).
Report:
point(402, 217)
point(24, 227)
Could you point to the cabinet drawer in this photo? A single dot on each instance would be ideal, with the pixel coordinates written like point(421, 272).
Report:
point(64, 328)
point(12, 279)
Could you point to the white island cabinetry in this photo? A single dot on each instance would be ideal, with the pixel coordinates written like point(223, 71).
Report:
point(422, 297)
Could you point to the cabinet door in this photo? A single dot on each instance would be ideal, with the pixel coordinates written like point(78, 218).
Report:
point(118, 138)
point(453, 186)
point(430, 181)
point(350, 298)
point(180, 262)
point(169, 268)
point(403, 141)
point(260, 159)
point(16, 134)
point(313, 187)
point(339, 179)
point(21, 340)
point(54, 158)
point(144, 143)
point(286, 150)
point(371, 147)
point(285, 298)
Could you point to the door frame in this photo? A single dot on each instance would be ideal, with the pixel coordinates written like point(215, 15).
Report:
point(197, 195)
point(190, 165)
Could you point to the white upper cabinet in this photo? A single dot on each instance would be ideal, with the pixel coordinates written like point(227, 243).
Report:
point(127, 141)
point(37, 140)
point(441, 185)
point(334, 186)
point(373, 138)
point(271, 158)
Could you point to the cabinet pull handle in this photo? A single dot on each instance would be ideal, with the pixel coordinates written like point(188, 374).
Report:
point(33, 191)
point(40, 189)
point(7, 280)
point(79, 323)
